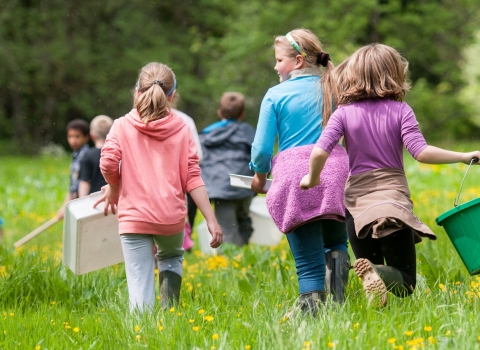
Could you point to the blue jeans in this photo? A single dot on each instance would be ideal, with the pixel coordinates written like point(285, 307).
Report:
point(309, 243)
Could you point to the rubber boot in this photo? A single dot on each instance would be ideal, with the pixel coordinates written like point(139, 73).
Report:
point(378, 280)
point(170, 284)
point(336, 277)
point(311, 302)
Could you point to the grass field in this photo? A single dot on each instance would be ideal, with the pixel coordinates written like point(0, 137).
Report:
point(233, 301)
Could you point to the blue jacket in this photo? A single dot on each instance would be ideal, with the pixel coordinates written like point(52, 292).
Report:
point(291, 110)
point(226, 150)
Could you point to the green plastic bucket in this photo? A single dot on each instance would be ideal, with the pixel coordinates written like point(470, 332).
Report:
point(463, 228)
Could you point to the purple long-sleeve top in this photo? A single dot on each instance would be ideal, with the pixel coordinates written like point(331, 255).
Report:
point(375, 132)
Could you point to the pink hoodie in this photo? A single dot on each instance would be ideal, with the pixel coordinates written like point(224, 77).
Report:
point(155, 165)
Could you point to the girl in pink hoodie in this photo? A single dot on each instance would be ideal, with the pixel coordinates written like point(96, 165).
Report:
point(150, 161)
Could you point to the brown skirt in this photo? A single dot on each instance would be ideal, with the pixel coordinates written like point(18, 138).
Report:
point(379, 202)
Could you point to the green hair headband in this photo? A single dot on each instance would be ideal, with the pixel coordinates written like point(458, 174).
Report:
point(294, 44)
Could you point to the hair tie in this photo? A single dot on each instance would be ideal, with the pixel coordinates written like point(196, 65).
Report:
point(323, 58)
point(158, 82)
point(294, 44)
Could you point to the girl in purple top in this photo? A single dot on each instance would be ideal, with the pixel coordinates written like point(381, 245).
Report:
point(376, 124)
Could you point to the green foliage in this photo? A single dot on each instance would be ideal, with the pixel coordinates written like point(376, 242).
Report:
point(63, 59)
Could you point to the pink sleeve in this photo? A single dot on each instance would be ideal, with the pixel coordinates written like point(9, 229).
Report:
point(333, 131)
point(194, 179)
point(412, 137)
point(111, 156)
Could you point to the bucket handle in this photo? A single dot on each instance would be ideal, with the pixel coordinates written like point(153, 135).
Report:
point(474, 160)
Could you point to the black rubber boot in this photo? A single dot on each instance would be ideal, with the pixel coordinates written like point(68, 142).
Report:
point(170, 284)
point(311, 302)
point(378, 280)
point(336, 277)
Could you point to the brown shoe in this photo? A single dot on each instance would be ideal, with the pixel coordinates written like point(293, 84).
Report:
point(374, 287)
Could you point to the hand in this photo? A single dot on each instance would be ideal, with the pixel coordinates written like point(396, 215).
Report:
point(258, 183)
point(216, 232)
point(110, 196)
point(306, 182)
point(469, 156)
point(61, 213)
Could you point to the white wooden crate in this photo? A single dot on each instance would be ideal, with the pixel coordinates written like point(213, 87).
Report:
point(90, 239)
point(243, 181)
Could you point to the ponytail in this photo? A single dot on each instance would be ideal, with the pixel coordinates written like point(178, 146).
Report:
point(155, 83)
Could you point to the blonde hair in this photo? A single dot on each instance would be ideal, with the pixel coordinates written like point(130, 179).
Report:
point(232, 105)
point(373, 71)
point(155, 81)
point(100, 126)
point(312, 47)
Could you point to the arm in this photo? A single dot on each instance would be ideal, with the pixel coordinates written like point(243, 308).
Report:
point(200, 197)
point(324, 146)
point(435, 155)
point(263, 143)
point(111, 156)
point(83, 188)
point(318, 157)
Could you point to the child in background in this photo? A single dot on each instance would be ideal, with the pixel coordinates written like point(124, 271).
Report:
point(227, 149)
point(376, 124)
point(295, 111)
point(91, 178)
point(77, 137)
point(158, 165)
point(191, 206)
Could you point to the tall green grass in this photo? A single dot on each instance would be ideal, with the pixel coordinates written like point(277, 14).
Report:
point(234, 301)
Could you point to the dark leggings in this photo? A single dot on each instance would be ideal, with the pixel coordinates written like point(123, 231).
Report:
point(396, 250)
point(192, 210)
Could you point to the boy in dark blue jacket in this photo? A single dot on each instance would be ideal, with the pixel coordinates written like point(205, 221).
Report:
point(226, 147)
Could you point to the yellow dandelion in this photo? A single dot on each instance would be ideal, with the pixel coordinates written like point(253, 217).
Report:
point(306, 343)
point(67, 326)
point(195, 328)
point(53, 302)
point(247, 347)
point(208, 318)
point(137, 328)
point(212, 347)
point(427, 329)
point(427, 291)
point(76, 329)
point(432, 340)
point(392, 340)
point(408, 333)
point(447, 333)
point(201, 311)
point(172, 309)
point(215, 336)
point(12, 314)
point(398, 347)
point(179, 313)
point(160, 328)
point(458, 283)
point(158, 297)
point(137, 337)
point(355, 326)
point(199, 285)
point(191, 321)
point(331, 345)
point(38, 347)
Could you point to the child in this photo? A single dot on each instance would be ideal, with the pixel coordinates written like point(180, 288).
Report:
point(158, 165)
point(77, 137)
point(376, 124)
point(91, 179)
point(227, 148)
point(295, 111)
point(191, 206)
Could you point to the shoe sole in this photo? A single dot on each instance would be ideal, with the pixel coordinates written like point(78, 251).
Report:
point(375, 289)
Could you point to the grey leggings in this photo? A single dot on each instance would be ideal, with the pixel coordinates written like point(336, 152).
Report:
point(140, 265)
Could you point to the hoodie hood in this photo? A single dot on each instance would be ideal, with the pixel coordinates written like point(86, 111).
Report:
point(159, 129)
point(233, 133)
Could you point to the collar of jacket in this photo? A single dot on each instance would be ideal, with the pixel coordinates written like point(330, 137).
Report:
point(304, 73)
